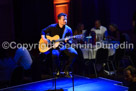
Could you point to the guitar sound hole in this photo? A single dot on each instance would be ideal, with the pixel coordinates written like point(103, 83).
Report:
point(49, 45)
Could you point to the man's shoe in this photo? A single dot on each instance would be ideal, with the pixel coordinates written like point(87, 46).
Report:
point(58, 73)
point(68, 74)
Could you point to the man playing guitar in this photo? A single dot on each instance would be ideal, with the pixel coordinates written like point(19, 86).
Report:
point(62, 30)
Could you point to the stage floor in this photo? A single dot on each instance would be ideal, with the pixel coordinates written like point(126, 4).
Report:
point(80, 84)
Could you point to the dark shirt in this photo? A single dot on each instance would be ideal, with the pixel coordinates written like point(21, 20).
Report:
point(54, 29)
point(132, 87)
point(115, 35)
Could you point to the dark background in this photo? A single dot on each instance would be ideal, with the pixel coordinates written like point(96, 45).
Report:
point(22, 20)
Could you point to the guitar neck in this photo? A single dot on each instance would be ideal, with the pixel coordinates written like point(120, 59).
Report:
point(60, 40)
point(63, 39)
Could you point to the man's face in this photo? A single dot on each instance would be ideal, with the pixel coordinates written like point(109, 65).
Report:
point(112, 29)
point(128, 76)
point(82, 27)
point(63, 20)
point(97, 24)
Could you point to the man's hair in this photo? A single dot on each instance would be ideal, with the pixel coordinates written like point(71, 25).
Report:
point(98, 20)
point(114, 25)
point(61, 14)
point(131, 69)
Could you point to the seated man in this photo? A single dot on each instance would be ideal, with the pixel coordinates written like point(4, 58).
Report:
point(113, 33)
point(99, 30)
point(62, 30)
point(79, 31)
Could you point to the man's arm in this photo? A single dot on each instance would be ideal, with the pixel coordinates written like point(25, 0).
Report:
point(44, 39)
point(117, 38)
point(70, 34)
point(105, 35)
point(44, 32)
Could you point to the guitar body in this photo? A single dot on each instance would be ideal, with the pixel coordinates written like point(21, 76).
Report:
point(56, 41)
point(45, 47)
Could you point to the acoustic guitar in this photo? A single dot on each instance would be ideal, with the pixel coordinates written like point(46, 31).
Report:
point(53, 42)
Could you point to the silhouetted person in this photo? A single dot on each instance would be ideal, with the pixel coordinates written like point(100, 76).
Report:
point(130, 76)
point(113, 33)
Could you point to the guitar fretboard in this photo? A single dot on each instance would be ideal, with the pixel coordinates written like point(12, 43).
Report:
point(63, 39)
point(60, 40)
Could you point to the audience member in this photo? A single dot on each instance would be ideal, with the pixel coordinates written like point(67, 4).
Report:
point(23, 58)
point(113, 33)
point(79, 31)
point(12, 68)
point(130, 76)
point(99, 30)
point(7, 65)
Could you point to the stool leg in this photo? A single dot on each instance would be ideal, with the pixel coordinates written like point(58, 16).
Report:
point(108, 67)
point(73, 80)
point(95, 69)
point(113, 67)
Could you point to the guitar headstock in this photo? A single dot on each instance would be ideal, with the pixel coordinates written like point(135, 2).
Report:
point(78, 36)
